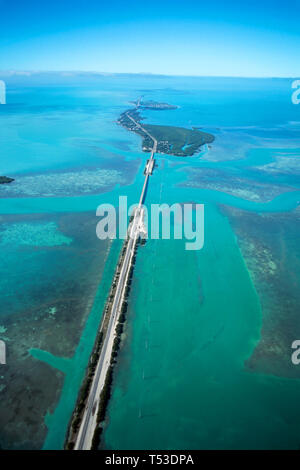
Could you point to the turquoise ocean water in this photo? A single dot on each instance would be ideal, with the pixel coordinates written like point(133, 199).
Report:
point(194, 317)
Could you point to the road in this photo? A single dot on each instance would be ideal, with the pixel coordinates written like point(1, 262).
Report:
point(89, 419)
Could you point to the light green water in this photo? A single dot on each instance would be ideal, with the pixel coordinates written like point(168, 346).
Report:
point(194, 317)
point(180, 380)
point(46, 234)
point(180, 383)
point(74, 368)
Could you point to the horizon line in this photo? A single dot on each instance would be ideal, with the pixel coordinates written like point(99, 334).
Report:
point(94, 72)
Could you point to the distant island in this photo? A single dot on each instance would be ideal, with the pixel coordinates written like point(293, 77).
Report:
point(171, 140)
point(153, 104)
point(5, 179)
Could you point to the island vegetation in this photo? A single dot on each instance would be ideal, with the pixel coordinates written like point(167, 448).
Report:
point(171, 140)
point(105, 395)
point(5, 179)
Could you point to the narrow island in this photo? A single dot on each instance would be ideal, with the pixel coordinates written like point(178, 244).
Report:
point(5, 180)
point(171, 140)
point(90, 414)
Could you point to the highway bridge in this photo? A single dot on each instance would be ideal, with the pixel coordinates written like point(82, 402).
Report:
point(136, 228)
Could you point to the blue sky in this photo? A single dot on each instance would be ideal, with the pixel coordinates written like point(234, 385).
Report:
point(235, 38)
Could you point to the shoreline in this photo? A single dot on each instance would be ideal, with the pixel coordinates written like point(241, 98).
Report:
point(171, 140)
point(58, 422)
point(86, 425)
